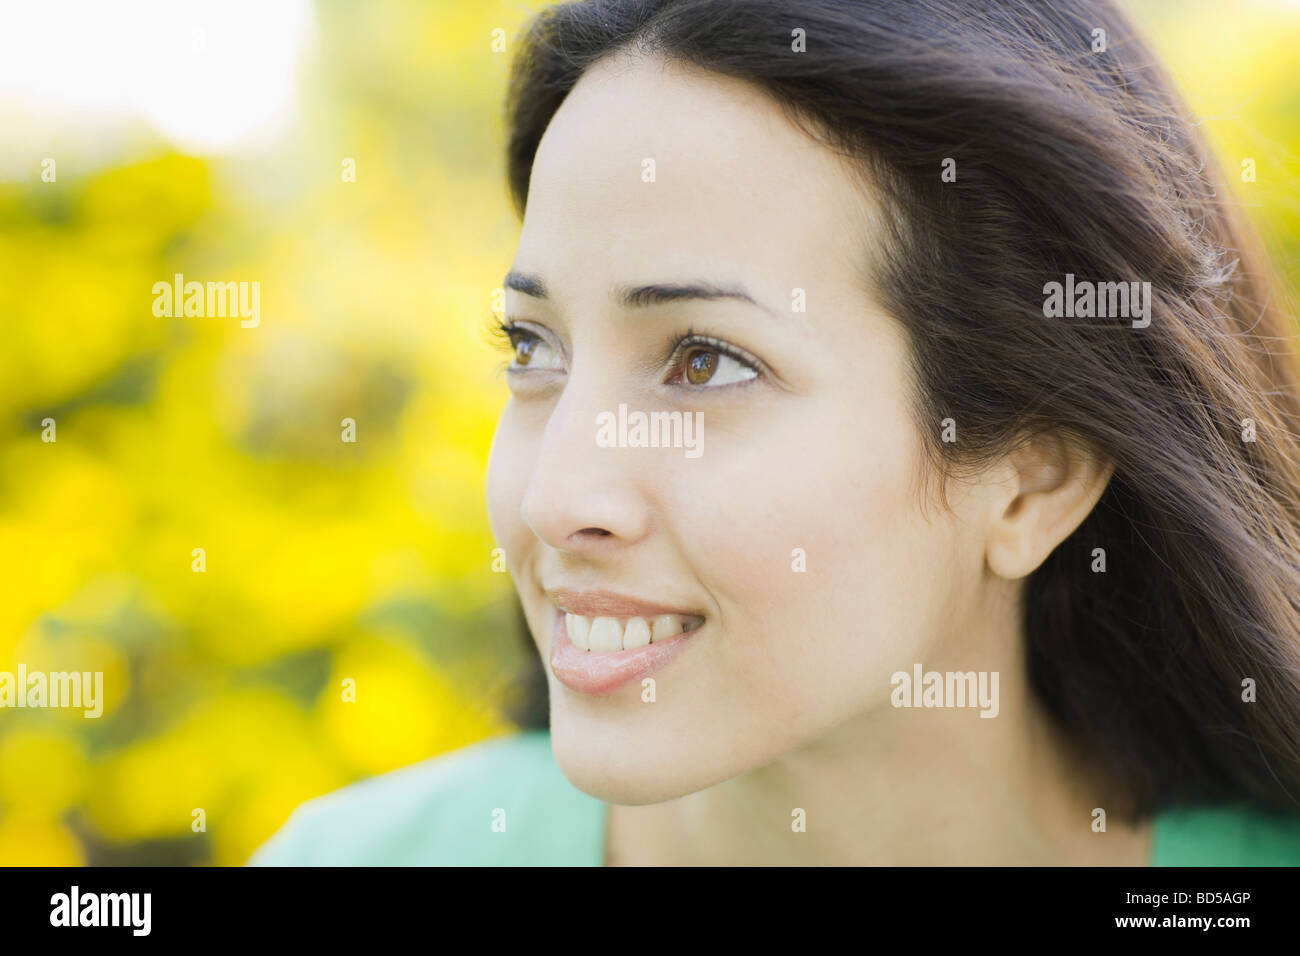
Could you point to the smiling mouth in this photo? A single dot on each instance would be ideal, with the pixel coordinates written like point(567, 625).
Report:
point(605, 634)
point(601, 641)
point(602, 622)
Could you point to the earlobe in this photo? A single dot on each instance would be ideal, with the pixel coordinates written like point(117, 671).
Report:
point(1054, 485)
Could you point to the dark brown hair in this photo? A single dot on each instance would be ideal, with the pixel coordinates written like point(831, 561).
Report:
point(1067, 161)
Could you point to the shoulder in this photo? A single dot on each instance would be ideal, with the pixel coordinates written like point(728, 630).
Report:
point(502, 801)
point(1226, 836)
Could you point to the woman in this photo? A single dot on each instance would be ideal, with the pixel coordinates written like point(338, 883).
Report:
point(901, 465)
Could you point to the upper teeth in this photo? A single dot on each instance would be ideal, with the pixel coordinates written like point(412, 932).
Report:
point(607, 634)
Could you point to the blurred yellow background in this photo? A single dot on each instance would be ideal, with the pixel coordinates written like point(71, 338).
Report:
point(213, 140)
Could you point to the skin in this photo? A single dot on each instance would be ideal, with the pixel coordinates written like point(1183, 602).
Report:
point(782, 700)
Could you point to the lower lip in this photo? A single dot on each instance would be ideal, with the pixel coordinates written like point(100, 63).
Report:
point(593, 673)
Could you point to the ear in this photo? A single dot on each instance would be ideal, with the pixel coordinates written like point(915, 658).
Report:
point(1046, 487)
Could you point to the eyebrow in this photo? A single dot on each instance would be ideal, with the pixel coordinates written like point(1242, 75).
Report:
point(644, 296)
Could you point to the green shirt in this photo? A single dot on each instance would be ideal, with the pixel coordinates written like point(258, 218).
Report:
point(504, 801)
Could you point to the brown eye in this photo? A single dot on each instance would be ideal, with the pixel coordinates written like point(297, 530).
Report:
point(531, 351)
point(524, 348)
point(701, 363)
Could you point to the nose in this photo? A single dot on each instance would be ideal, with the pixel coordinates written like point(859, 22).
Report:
point(582, 498)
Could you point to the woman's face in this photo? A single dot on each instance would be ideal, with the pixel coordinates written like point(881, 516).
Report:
point(786, 534)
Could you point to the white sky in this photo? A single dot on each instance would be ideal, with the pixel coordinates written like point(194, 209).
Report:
point(209, 75)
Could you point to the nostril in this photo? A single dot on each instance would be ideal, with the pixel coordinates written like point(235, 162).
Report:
point(599, 531)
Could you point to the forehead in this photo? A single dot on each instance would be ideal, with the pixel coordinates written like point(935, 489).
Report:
point(653, 166)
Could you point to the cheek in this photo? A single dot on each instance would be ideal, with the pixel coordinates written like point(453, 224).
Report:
point(509, 466)
point(817, 551)
point(507, 476)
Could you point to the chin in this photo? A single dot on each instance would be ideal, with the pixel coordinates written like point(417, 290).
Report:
point(618, 767)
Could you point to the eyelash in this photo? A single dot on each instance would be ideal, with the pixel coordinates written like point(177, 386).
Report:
point(506, 336)
point(501, 331)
